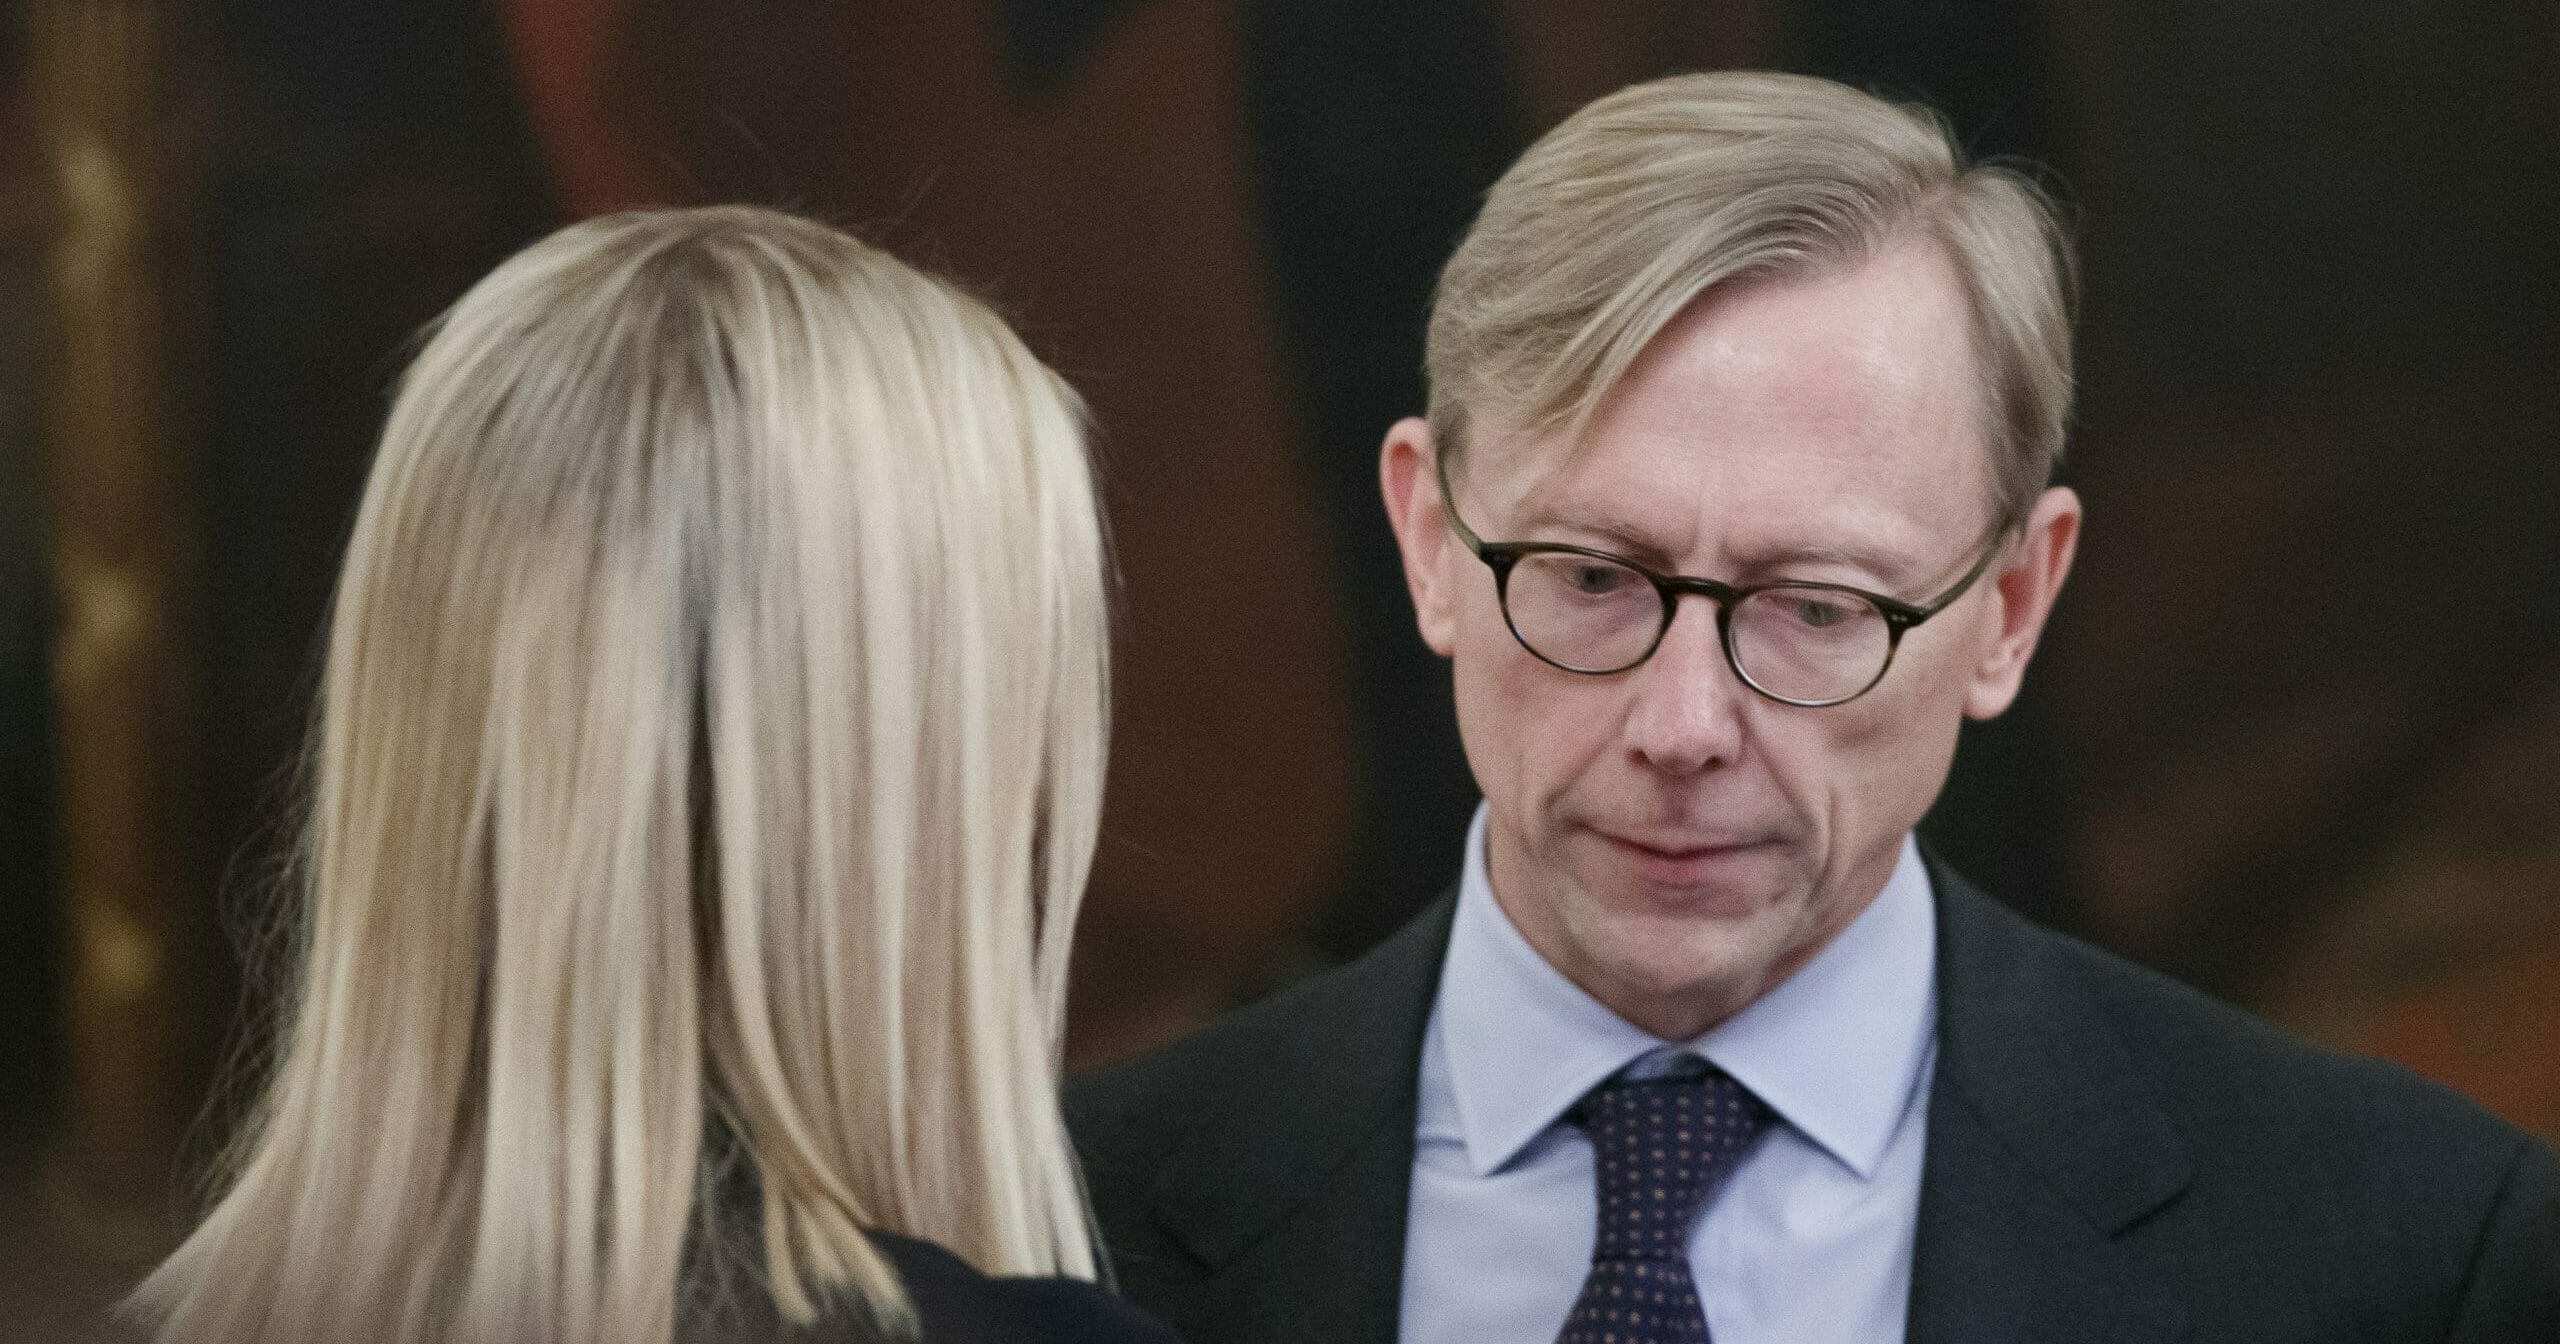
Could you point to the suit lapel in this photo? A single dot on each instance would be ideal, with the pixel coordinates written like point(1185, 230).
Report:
point(1293, 1196)
point(2045, 1150)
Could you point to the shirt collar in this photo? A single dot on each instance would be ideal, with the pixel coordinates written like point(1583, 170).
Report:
point(1836, 1050)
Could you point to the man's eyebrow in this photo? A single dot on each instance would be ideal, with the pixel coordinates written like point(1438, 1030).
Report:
point(1884, 564)
point(1757, 562)
point(1613, 534)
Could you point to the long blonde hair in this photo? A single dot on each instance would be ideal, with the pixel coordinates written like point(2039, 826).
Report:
point(711, 741)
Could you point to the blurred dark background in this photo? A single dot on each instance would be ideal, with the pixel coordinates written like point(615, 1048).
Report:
point(2292, 738)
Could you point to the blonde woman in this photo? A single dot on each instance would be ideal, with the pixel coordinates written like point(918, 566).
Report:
point(707, 767)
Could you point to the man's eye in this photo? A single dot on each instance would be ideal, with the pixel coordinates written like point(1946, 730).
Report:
point(1818, 613)
point(1598, 580)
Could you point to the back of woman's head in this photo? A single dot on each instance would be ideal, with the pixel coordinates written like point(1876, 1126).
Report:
point(710, 743)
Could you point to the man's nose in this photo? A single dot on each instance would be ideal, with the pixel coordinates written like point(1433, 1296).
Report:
point(1688, 701)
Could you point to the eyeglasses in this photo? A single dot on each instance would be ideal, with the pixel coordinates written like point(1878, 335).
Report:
point(1796, 642)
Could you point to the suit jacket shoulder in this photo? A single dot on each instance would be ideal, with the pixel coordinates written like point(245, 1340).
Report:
point(1250, 1179)
point(2183, 1170)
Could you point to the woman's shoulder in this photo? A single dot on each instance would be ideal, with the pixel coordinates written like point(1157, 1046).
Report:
point(956, 1304)
point(959, 1305)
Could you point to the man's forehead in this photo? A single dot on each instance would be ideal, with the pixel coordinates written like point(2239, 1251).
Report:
point(1675, 505)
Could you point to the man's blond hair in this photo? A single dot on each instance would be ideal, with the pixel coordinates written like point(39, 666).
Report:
point(1619, 218)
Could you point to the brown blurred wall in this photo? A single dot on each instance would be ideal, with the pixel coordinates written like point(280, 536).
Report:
point(2290, 738)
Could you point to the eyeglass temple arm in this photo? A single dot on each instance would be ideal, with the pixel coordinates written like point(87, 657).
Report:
point(1449, 504)
point(1991, 540)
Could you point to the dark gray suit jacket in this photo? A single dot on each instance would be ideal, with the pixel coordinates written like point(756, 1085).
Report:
point(2111, 1156)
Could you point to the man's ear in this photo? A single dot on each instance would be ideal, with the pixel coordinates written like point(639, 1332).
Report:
point(1408, 475)
point(2023, 588)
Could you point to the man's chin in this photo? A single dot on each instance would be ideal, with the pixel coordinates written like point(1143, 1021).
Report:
point(1676, 980)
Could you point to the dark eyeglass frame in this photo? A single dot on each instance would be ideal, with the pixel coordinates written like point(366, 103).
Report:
point(1900, 617)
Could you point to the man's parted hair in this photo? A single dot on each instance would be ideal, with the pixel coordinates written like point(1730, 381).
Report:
point(1618, 219)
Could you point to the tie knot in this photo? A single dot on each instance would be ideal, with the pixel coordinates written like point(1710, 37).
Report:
point(1661, 1145)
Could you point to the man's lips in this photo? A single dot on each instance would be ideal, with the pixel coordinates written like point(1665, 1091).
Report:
point(1683, 848)
point(1688, 869)
point(1715, 874)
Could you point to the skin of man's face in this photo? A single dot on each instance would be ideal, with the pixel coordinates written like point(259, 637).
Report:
point(1670, 840)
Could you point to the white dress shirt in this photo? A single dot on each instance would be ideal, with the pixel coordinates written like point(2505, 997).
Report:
point(1810, 1238)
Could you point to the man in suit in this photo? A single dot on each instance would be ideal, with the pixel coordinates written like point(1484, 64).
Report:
point(1732, 502)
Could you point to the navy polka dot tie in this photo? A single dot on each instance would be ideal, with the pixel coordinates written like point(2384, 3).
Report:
point(1662, 1145)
